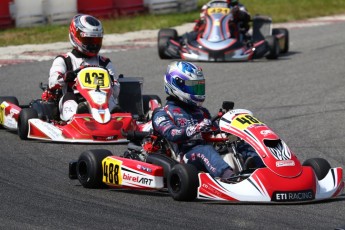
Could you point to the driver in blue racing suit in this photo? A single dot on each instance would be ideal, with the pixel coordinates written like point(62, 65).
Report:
point(182, 119)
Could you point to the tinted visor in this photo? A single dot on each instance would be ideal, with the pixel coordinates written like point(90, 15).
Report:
point(194, 87)
point(91, 41)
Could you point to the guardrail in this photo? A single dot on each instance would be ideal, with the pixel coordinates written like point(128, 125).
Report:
point(28, 13)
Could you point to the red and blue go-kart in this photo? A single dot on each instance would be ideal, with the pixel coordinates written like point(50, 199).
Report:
point(94, 122)
point(153, 165)
point(222, 41)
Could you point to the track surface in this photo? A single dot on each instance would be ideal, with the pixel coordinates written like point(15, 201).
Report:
point(300, 96)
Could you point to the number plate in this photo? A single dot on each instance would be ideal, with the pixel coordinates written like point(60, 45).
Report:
point(112, 171)
point(224, 11)
point(93, 77)
point(243, 121)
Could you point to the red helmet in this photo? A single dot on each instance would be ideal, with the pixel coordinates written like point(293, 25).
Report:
point(86, 34)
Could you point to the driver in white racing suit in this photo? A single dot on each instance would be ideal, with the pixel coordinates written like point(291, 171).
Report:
point(86, 35)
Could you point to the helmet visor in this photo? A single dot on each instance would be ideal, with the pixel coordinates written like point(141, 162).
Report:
point(194, 87)
point(91, 40)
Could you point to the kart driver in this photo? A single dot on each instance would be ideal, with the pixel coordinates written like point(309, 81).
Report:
point(86, 35)
point(241, 17)
point(182, 119)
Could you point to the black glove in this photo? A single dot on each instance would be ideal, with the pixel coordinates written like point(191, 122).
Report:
point(69, 76)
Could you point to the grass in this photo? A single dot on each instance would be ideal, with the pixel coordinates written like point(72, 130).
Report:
point(279, 10)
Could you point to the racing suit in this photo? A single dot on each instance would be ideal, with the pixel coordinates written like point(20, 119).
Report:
point(176, 122)
point(71, 61)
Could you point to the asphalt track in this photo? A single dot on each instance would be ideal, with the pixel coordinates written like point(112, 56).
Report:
point(300, 96)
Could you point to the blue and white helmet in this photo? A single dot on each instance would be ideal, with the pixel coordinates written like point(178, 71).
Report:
point(186, 82)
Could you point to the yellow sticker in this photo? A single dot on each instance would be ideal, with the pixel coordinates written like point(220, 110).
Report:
point(211, 11)
point(243, 121)
point(93, 77)
point(112, 171)
point(2, 113)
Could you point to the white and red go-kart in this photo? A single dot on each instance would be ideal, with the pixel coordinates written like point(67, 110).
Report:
point(283, 179)
point(94, 122)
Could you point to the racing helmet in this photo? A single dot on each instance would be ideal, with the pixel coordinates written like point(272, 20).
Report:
point(86, 34)
point(185, 81)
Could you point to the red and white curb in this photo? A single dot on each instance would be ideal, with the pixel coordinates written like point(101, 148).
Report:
point(12, 55)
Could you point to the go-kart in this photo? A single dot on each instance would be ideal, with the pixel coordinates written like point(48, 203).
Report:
point(152, 164)
point(222, 41)
point(94, 122)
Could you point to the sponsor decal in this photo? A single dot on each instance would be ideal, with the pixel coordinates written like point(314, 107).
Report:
point(286, 163)
point(190, 131)
point(158, 120)
point(137, 179)
point(109, 138)
point(181, 121)
point(266, 132)
point(176, 132)
point(293, 196)
point(141, 167)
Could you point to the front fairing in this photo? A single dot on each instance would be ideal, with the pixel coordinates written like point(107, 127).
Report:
point(94, 84)
point(273, 151)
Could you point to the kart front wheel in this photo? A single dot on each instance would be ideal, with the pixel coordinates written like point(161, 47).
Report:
point(284, 48)
point(320, 166)
point(23, 122)
point(89, 167)
point(10, 99)
point(183, 182)
point(273, 47)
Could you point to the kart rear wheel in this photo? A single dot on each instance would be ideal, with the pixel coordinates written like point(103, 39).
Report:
point(164, 35)
point(89, 168)
point(23, 122)
point(285, 33)
point(9, 99)
point(183, 182)
point(273, 47)
point(320, 166)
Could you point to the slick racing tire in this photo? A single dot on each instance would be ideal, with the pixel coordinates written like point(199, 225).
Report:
point(23, 122)
point(285, 34)
point(183, 182)
point(164, 35)
point(320, 166)
point(273, 47)
point(9, 99)
point(89, 168)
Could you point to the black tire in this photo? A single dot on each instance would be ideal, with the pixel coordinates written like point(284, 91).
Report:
point(273, 47)
point(10, 99)
point(285, 32)
point(320, 166)
point(146, 100)
point(164, 35)
point(167, 163)
point(89, 168)
point(183, 182)
point(23, 122)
